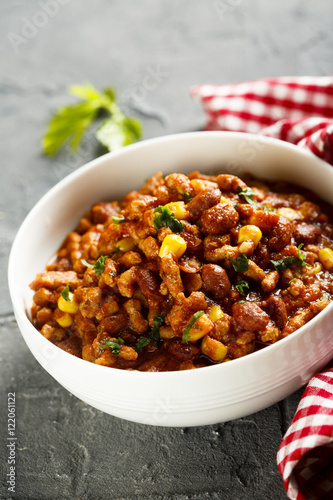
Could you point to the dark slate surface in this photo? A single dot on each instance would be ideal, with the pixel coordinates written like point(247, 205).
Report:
point(66, 449)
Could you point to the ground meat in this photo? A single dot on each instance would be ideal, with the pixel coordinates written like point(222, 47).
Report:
point(118, 295)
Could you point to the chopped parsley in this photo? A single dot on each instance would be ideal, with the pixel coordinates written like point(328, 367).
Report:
point(187, 197)
point(154, 334)
point(325, 296)
point(248, 194)
point(186, 333)
point(243, 287)
point(266, 208)
point(241, 264)
point(141, 343)
point(286, 262)
point(65, 293)
point(118, 219)
point(164, 217)
point(99, 266)
point(115, 345)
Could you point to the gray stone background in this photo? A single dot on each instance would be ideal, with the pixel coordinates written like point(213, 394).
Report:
point(65, 449)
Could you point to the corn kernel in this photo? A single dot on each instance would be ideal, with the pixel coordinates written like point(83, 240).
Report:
point(202, 184)
point(68, 306)
point(213, 348)
point(173, 243)
point(65, 320)
point(326, 258)
point(317, 267)
point(223, 199)
point(201, 327)
point(289, 213)
point(249, 233)
point(216, 313)
point(178, 209)
point(126, 244)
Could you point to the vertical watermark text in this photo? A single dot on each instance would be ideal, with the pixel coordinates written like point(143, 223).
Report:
point(11, 442)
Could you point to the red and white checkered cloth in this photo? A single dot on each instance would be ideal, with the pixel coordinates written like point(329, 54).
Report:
point(300, 111)
point(305, 456)
point(295, 109)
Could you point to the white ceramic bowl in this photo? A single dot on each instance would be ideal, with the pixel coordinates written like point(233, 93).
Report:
point(186, 398)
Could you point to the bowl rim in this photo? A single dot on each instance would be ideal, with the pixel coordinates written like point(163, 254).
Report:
point(22, 314)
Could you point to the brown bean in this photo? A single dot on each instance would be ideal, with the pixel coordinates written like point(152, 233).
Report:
point(276, 310)
point(249, 316)
point(306, 233)
point(148, 283)
point(216, 281)
point(219, 219)
point(202, 202)
point(230, 183)
point(182, 352)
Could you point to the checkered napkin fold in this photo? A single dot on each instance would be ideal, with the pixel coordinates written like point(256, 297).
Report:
point(298, 110)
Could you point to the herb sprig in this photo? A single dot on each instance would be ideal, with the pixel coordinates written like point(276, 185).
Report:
point(248, 194)
point(186, 332)
point(71, 122)
point(286, 262)
point(65, 293)
point(99, 266)
point(164, 217)
point(243, 287)
point(154, 334)
point(241, 264)
point(114, 344)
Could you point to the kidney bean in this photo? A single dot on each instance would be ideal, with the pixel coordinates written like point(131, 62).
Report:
point(230, 183)
point(250, 316)
point(276, 310)
point(306, 233)
point(182, 352)
point(219, 219)
point(202, 202)
point(216, 281)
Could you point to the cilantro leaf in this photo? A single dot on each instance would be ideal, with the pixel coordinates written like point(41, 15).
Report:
point(165, 217)
point(154, 334)
point(187, 196)
point(115, 345)
point(141, 343)
point(241, 264)
point(119, 131)
point(243, 287)
point(71, 122)
point(65, 293)
point(286, 262)
point(98, 267)
point(186, 332)
point(248, 194)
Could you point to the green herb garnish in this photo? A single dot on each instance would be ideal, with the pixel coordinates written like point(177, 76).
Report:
point(241, 264)
point(71, 122)
point(99, 266)
point(115, 345)
point(186, 333)
point(266, 208)
point(325, 296)
point(164, 217)
point(154, 334)
point(286, 262)
point(187, 197)
point(141, 343)
point(248, 195)
point(243, 287)
point(65, 293)
point(118, 219)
